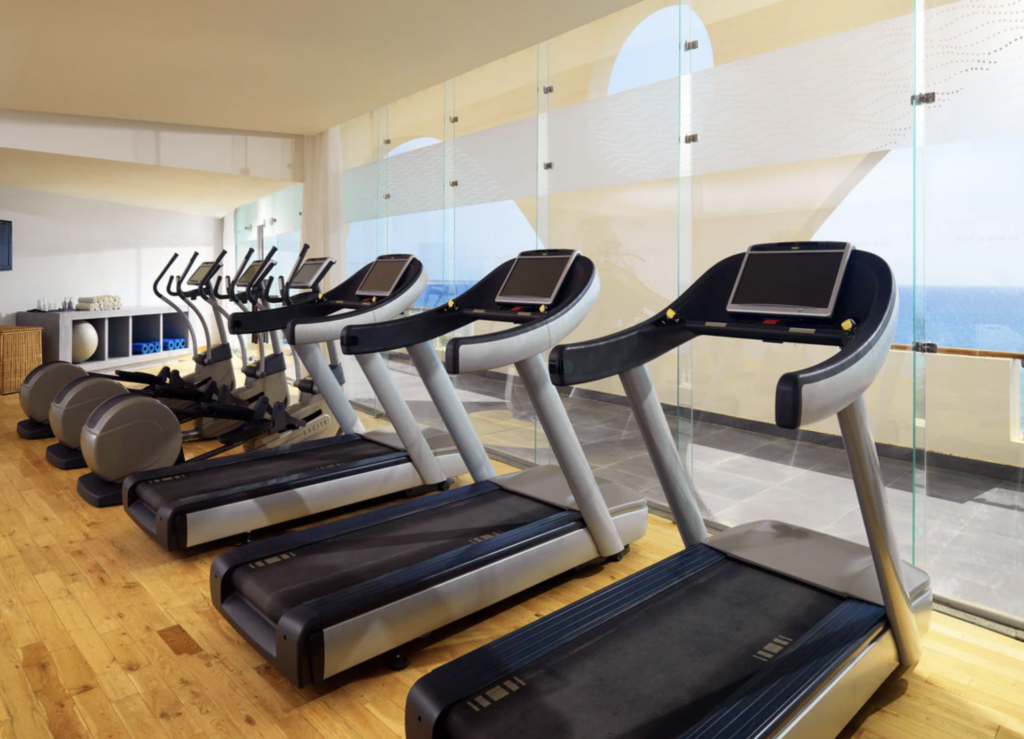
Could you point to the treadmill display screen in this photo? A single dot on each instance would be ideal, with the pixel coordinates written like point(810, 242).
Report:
point(249, 273)
point(789, 280)
point(383, 276)
point(201, 272)
point(309, 273)
point(535, 279)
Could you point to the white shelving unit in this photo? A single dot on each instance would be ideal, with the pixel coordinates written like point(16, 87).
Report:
point(117, 330)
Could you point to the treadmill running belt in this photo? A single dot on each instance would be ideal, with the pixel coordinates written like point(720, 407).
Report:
point(656, 670)
point(331, 566)
point(250, 471)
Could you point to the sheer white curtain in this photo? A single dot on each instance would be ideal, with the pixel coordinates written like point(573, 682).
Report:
point(323, 203)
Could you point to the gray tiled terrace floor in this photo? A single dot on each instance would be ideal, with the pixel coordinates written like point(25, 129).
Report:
point(973, 525)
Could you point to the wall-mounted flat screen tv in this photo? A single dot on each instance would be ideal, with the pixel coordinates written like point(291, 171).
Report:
point(6, 258)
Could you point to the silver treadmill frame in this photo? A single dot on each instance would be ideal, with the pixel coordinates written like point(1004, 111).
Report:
point(614, 515)
point(874, 573)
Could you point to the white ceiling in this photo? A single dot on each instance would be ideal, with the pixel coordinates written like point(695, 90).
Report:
point(145, 185)
point(284, 66)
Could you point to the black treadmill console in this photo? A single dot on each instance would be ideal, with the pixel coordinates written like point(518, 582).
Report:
point(384, 274)
point(535, 279)
point(860, 320)
point(535, 287)
point(522, 290)
point(311, 273)
point(790, 279)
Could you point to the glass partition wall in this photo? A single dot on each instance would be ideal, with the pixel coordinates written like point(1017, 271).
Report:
point(278, 217)
point(799, 132)
point(667, 136)
point(970, 301)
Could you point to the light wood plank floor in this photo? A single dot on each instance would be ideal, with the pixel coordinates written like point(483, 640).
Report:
point(105, 635)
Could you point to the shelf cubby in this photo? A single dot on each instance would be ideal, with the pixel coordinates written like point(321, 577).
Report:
point(116, 330)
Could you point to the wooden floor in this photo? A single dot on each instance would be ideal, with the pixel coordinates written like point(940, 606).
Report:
point(105, 635)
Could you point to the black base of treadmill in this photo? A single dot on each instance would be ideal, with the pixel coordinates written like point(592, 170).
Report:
point(97, 492)
point(64, 457)
point(29, 429)
point(424, 489)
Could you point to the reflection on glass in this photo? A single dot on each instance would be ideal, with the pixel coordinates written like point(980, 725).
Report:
point(665, 137)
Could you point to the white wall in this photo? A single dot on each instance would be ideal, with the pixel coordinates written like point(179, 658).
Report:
point(271, 156)
point(70, 247)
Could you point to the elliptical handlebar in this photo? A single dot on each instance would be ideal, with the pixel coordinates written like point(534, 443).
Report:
point(172, 293)
point(156, 282)
point(257, 279)
point(213, 271)
point(286, 285)
point(280, 290)
point(188, 268)
point(238, 275)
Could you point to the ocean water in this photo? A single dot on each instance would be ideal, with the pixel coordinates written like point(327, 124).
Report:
point(988, 318)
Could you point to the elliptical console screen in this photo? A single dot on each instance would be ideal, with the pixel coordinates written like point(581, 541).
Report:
point(201, 272)
point(790, 279)
point(249, 273)
point(383, 276)
point(311, 271)
point(535, 280)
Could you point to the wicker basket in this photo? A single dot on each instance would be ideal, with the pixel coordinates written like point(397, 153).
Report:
point(21, 351)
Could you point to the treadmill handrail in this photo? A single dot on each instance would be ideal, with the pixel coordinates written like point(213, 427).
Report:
point(278, 319)
point(534, 332)
point(330, 328)
point(802, 396)
point(819, 392)
point(375, 338)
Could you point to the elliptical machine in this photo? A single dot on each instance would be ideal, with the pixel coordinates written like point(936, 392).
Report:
point(132, 433)
point(76, 401)
point(42, 385)
point(312, 408)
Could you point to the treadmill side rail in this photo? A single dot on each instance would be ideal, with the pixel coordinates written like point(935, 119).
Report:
point(794, 677)
point(373, 633)
point(372, 479)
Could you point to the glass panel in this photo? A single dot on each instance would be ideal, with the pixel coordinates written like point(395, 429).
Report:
point(280, 214)
point(803, 131)
point(283, 230)
point(455, 177)
point(613, 192)
point(394, 197)
point(363, 188)
point(971, 297)
point(490, 211)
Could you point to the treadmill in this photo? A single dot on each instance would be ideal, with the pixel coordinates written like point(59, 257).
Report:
point(203, 501)
point(765, 630)
point(318, 601)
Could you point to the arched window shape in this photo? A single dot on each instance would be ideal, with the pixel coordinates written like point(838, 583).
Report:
point(486, 234)
point(651, 53)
